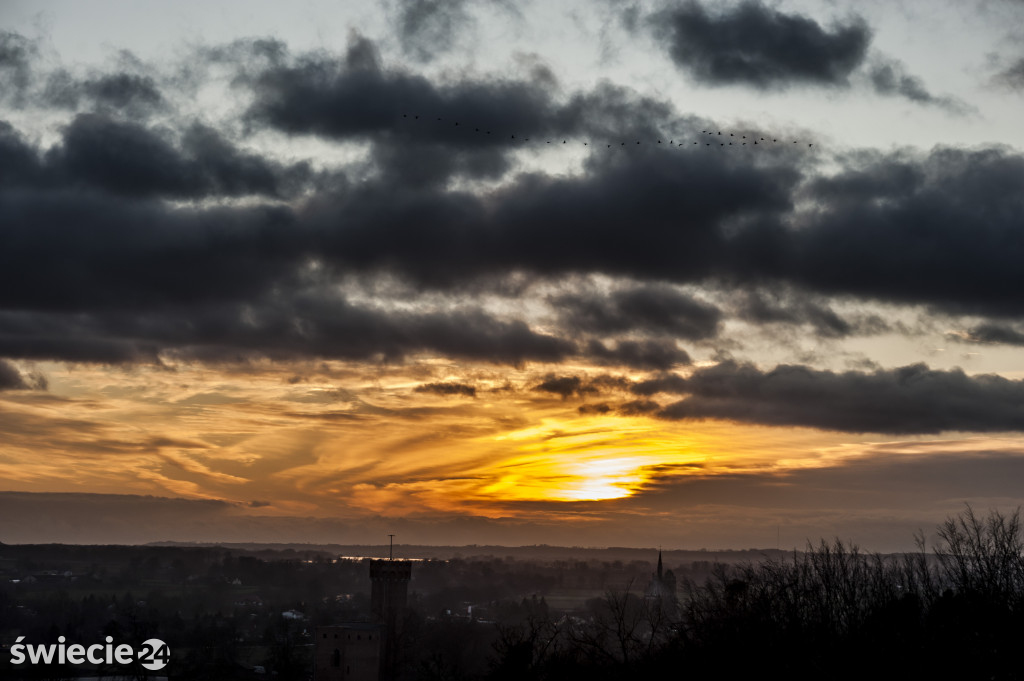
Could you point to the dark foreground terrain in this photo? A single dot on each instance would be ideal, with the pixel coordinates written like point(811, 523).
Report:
point(829, 612)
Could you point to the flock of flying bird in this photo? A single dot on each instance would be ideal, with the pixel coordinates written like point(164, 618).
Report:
point(741, 140)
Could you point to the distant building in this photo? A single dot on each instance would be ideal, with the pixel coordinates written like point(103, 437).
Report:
point(662, 590)
point(348, 652)
point(389, 597)
point(368, 651)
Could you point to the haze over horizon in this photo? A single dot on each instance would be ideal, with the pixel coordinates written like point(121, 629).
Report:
point(257, 285)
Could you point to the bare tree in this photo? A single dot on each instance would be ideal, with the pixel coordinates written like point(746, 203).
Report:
point(983, 555)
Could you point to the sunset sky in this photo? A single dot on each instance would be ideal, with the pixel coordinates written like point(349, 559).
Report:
point(257, 285)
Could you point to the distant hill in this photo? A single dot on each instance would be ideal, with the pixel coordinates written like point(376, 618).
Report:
point(534, 552)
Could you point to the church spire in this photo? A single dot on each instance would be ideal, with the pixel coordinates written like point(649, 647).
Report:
point(659, 563)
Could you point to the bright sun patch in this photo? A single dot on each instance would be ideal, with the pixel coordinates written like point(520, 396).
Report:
point(588, 459)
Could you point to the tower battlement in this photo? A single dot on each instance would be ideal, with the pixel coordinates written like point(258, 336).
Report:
point(384, 568)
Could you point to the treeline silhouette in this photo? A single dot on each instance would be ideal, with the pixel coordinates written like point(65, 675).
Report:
point(952, 610)
point(829, 612)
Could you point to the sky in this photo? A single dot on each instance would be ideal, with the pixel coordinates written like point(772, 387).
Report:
point(690, 274)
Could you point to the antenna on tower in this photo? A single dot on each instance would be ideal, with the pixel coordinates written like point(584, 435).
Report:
point(391, 547)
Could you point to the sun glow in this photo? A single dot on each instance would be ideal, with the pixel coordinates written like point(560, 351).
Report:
point(588, 459)
point(348, 442)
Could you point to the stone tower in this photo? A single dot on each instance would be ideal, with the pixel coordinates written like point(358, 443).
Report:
point(389, 595)
point(389, 591)
point(348, 652)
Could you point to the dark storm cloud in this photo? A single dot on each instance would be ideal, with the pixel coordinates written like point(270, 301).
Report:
point(112, 263)
point(302, 325)
point(25, 79)
point(133, 160)
point(446, 389)
point(124, 90)
point(992, 333)
point(565, 386)
point(659, 309)
point(85, 232)
point(81, 251)
point(12, 379)
point(102, 349)
point(663, 383)
point(1012, 77)
point(129, 93)
point(648, 354)
point(477, 336)
point(940, 230)
point(890, 77)
point(759, 309)
point(910, 399)
point(19, 162)
point(426, 28)
point(357, 97)
point(425, 131)
point(16, 56)
point(770, 307)
point(638, 407)
point(648, 214)
point(606, 382)
point(752, 44)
